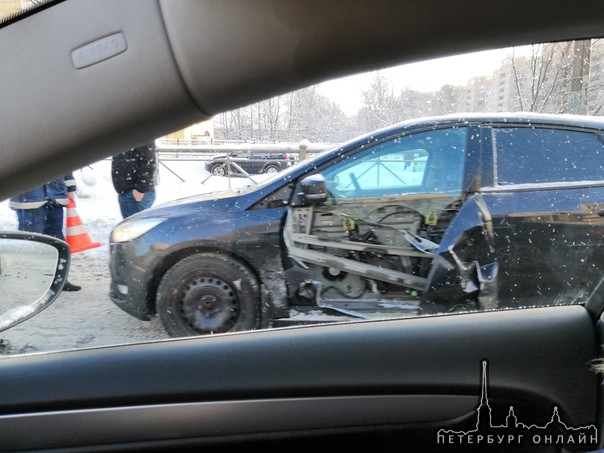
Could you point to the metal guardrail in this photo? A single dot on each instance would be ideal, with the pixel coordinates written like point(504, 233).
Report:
point(168, 151)
point(204, 151)
point(168, 142)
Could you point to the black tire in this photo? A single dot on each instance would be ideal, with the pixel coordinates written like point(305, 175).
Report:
point(218, 170)
point(271, 169)
point(208, 293)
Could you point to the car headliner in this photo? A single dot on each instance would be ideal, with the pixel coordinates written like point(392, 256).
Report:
point(188, 60)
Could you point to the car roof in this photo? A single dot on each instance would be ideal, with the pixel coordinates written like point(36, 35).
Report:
point(188, 60)
point(596, 122)
point(526, 118)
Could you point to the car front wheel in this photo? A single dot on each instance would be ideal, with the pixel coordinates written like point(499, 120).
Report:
point(272, 169)
point(208, 293)
point(218, 170)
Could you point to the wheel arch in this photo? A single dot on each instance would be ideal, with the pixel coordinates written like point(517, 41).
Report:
point(170, 260)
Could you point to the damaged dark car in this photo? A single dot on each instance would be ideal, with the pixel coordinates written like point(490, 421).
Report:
point(433, 215)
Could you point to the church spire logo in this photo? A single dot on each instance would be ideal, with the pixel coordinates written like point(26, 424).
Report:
point(513, 431)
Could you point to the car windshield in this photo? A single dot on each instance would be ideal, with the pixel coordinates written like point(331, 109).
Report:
point(465, 183)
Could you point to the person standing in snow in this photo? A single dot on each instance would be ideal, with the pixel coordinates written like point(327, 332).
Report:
point(40, 210)
point(133, 176)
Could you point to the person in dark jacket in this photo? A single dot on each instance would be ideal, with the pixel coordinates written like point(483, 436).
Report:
point(133, 176)
point(40, 210)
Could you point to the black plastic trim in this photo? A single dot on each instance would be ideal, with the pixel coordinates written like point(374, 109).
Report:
point(226, 418)
point(429, 355)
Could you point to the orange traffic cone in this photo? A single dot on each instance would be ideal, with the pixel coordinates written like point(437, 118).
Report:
point(76, 235)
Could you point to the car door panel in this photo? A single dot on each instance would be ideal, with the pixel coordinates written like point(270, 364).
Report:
point(280, 372)
point(228, 418)
point(551, 255)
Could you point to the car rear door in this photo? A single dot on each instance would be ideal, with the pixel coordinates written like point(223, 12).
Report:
point(545, 201)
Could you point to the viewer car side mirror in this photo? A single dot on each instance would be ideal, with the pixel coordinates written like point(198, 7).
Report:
point(312, 190)
point(33, 270)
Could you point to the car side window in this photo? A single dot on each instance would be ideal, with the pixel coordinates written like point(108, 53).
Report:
point(425, 162)
point(538, 155)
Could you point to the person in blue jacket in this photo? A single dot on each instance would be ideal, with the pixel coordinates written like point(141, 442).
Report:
point(40, 210)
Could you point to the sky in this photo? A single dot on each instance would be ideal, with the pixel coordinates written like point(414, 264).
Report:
point(425, 76)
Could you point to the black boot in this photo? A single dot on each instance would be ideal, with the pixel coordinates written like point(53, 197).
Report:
point(71, 287)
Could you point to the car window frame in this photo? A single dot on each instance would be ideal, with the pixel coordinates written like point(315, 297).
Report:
point(488, 180)
point(496, 153)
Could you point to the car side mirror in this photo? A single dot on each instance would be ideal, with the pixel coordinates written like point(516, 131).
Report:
point(313, 190)
point(33, 270)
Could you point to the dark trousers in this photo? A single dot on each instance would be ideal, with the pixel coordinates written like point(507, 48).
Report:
point(47, 219)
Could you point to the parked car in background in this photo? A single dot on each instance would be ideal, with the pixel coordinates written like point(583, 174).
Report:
point(232, 164)
point(466, 212)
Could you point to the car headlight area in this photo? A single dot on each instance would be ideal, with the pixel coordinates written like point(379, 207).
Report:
point(132, 229)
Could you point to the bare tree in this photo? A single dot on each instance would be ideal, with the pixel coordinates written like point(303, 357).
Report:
point(270, 111)
point(381, 107)
point(312, 116)
point(540, 79)
point(232, 125)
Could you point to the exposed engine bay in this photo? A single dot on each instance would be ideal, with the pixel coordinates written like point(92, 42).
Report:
point(360, 253)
